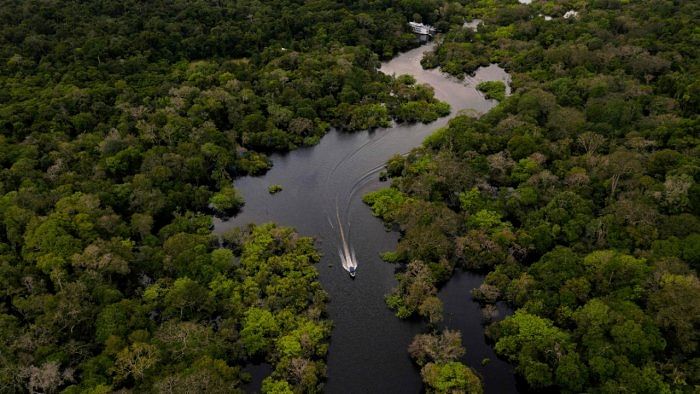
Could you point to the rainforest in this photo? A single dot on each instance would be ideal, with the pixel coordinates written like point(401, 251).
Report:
point(178, 176)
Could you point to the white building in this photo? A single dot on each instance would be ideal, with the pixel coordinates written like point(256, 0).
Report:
point(571, 14)
point(422, 29)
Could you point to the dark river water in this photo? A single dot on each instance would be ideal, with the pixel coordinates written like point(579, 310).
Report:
point(368, 351)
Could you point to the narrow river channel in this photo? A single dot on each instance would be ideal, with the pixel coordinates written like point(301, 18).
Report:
point(368, 346)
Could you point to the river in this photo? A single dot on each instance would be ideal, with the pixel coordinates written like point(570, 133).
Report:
point(368, 350)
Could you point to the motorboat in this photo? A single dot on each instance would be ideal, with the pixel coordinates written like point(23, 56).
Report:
point(346, 254)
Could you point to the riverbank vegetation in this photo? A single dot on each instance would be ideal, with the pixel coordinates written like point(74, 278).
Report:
point(123, 125)
point(579, 194)
point(495, 90)
point(182, 317)
point(438, 355)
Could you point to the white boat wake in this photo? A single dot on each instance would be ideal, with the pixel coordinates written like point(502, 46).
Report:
point(346, 254)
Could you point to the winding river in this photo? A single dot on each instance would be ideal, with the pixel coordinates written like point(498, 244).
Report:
point(323, 185)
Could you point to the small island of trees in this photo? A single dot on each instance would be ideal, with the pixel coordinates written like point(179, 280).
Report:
point(274, 189)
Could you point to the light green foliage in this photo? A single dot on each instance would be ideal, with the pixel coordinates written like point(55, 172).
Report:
point(493, 89)
point(186, 298)
point(181, 349)
point(416, 286)
point(274, 189)
point(205, 374)
point(450, 377)
point(272, 386)
point(486, 220)
point(305, 341)
point(619, 339)
point(525, 338)
point(472, 201)
point(259, 327)
point(222, 259)
point(525, 332)
point(524, 169)
point(385, 202)
point(226, 201)
point(613, 272)
point(368, 116)
point(421, 111)
point(456, 58)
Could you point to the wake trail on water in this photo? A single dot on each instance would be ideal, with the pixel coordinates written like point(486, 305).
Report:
point(359, 183)
point(346, 254)
point(345, 251)
point(347, 158)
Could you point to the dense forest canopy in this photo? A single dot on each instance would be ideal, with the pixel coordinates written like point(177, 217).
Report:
point(579, 194)
point(123, 125)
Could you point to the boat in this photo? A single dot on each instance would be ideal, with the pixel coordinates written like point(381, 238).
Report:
point(421, 29)
point(352, 271)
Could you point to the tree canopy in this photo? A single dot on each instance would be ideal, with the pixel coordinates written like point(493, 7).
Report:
point(577, 194)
